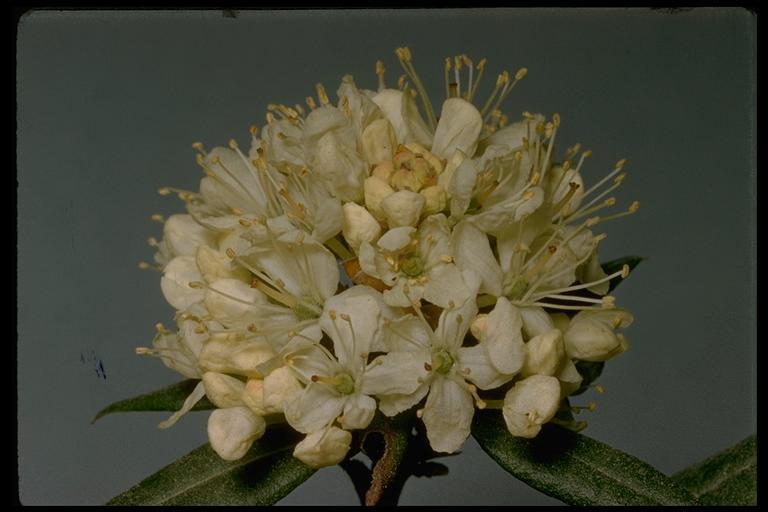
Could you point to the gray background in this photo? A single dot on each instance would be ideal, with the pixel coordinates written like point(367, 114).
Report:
point(110, 102)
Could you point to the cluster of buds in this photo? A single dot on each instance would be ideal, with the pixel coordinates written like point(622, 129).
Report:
point(363, 257)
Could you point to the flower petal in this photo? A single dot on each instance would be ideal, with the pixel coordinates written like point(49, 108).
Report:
point(448, 415)
point(472, 250)
point(358, 411)
point(396, 373)
point(459, 126)
point(481, 371)
point(315, 408)
point(177, 275)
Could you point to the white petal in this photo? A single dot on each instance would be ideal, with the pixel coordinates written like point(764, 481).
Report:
point(536, 321)
point(359, 225)
point(339, 165)
point(448, 415)
point(194, 397)
point(232, 431)
point(177, 275)
point(461, 186)
point(396, 373)
point(392, 405)
point(511, 136)
point(446, 283)
point(306, 268)
point(214, 265)
point(236, 175)
point(407, 334)
point(315, 408)
point(570, 378)
point(353, 323)
point(454, 323)
point(503, 339)
point(472, 250)
point(364, 110)
point(176, 355)
point(396, 238)
point(401, 111)
point(434, 240)
point(545, 354)
point(460, 124)
point(592, 271)
point(403, 208)
point(481, 371)
point(325, 447)
point(379, 142)
point(233, 302)
point(183, 235)
point(358, 412)
point(375, 191)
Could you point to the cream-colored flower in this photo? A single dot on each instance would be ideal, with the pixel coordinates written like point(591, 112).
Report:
point(417, 264)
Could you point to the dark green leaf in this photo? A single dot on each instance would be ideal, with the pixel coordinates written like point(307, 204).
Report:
point(726, 478)
point(609, 267)
point(574, 468)
point(169, 398)
point(265, 474)
point(589, 371)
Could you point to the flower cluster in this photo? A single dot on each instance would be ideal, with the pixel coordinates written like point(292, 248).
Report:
point(362, 256)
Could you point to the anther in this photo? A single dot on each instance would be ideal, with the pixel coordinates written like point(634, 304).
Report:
point(521, 73)
point(620, 164)
point(445, 258)
point(419, 413)
point(332, 314)
point(345, 317)
point(625, 271)
point(634, 207)
point(143, 265)
point(164, 191)
point(321, 94)
point(231, 253)
point(608, 302)
point(157, 218)
point(428, 367)
point(233, 144)
point(196, 284)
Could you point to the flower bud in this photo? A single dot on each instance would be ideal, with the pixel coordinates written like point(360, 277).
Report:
point(434, 162)
point(379, 141)
point(269, 396)
point(376, 190)
point(478, 325)
point(233, 430)
point(544, 354)
point(223, 390)
point(435, 199)
point(383, 171)
point(530, 403)
point(403, 208)
point(591, 337)
point(177, 275)
point(536, 321)
point(325, 447)
point(358, 225)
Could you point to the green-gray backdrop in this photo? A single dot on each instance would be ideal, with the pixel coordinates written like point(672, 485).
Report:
point(109, 103)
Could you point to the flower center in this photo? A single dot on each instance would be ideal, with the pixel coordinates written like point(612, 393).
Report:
point(307, 310)
point(516, 289)
point(343, 383)
point(442, 362)
point(412, 265)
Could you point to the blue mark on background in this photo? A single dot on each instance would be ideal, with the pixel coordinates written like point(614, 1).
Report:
point(94, 360)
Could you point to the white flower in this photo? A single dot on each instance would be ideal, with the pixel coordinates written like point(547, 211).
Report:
point(417, 261)
point(433, 361)
point(324, 447)
point(232, 431)
point(270, 394)
point(335, 382)
point(359, 225)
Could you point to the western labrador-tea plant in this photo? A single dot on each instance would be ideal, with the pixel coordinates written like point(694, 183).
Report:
point(376, 266)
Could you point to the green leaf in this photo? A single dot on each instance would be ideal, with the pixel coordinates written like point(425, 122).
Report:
point(609, 267)
point(726, 478)
point(169, 398)
point(575, 468)
point(265, 474)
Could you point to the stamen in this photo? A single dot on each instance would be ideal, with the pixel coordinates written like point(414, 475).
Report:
point(481, 69)
point(380, 69)
point(404, 55)
point(321, 95)
point(158, 218)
